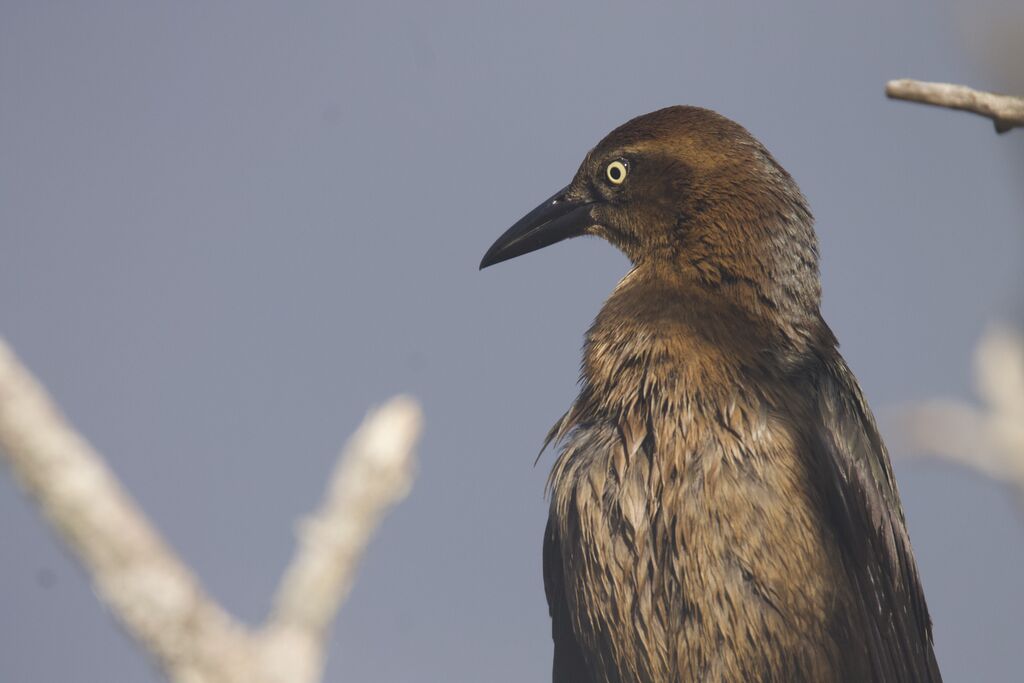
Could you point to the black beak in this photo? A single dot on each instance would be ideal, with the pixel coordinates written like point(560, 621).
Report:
point(557, 218)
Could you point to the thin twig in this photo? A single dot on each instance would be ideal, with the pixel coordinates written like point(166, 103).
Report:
point(1006, 111)
point(154, 595)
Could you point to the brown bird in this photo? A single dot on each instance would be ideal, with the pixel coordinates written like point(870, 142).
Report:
point(723, 508)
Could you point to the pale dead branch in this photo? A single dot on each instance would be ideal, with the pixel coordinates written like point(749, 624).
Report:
point(1006, 111)
point(988, 438)
point(154, 595)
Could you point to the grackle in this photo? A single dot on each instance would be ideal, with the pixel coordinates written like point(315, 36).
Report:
point(722, 507)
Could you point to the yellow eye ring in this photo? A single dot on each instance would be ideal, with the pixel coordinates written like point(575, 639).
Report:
point(616, 172)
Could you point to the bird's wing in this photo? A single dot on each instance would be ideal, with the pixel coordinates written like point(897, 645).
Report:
point(569, 665)
point(869, 518)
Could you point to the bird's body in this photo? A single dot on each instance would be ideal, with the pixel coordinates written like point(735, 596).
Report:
point(722, 508)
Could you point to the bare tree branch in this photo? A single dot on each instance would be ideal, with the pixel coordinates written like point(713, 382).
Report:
point(374, 472)
point(1006, 111)
point(156, 597)
point(987, 438)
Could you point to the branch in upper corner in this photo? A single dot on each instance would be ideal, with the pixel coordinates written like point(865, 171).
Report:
point(1006, 111)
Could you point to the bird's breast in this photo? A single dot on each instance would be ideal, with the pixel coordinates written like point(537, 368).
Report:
point(690, 534)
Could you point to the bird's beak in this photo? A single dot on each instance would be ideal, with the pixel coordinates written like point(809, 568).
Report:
point(557, 218)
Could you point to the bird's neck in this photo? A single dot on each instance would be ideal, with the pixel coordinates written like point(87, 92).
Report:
point(664, 331)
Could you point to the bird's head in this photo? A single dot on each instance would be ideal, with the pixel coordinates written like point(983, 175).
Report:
point(689, 188)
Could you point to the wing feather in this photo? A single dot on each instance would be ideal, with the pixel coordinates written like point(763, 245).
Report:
point(569, 665)
point(869, 519)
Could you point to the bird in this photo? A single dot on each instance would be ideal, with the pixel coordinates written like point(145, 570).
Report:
point(722, 506)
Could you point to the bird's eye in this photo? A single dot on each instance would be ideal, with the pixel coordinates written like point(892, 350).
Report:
point(616, 172)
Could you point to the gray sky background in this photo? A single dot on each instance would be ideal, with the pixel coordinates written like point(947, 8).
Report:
point(226, 229)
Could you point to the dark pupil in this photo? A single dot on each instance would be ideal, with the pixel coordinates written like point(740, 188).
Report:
point(616, 172)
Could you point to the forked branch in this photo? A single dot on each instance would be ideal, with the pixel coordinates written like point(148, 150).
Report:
point(154, 595)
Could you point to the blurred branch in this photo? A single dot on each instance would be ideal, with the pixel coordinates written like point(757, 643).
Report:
point(156, 597)
point(374, 472)
point(1006, 111)
point(988, 438)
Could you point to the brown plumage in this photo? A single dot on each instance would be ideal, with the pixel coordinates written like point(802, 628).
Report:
point(723, 508)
